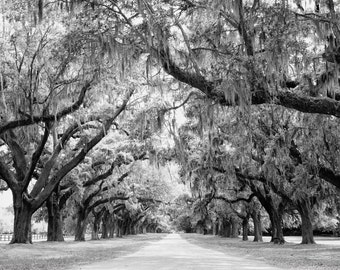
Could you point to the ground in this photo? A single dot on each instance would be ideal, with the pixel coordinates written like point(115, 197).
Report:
point(44, 255)
point(174, 252)
point(291, 255)
point(171, 251)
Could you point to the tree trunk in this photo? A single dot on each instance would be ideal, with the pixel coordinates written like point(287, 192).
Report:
point(126, 226)
point(119, 228)
point(131, 228)
point(274, 211)
point(137, 228)
point(95, 230)
point(256, 217)
point(81, 225)
point(22, 220)
point(215, 227)
point(245, 228)
point(220, 227)
point(105, 233)
point(55, 223)
point(112, 228)
point(105, 227)
point(97, 218)
point(276, 226)
point(96, 225)
point(228, 228)
point(225, 227)
point(234, 227)
point(306, 223)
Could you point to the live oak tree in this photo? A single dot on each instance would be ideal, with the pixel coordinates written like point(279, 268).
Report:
point(29, 165)
point(27, 201)
point(48, 79)
point(34, 78)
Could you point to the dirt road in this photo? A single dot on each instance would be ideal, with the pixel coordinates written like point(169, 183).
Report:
point(173, 252)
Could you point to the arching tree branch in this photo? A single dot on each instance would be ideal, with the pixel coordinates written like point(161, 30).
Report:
point(50, 117)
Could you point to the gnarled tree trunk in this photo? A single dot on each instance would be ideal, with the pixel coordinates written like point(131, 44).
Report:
point(276, 226)
point(119, 228)
point(304, 209)
point(105, 227)
point(225, 227)
point(215, 227)
point(97, 218)
point(55, 223)
point(234, 227)
point(245, 228)
point(95, 230)
point(112, 227)
point(22, 220)
point(81, 224)
point(256, 217)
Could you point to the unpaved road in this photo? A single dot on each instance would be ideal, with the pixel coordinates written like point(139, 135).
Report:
point(173, 252)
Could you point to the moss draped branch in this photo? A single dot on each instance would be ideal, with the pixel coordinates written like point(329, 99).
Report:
point(29, 120)
point(285, 98)
point(41, 192)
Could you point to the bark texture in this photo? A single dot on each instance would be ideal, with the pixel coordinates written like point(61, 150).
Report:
point(55, 222)
point(306, 222)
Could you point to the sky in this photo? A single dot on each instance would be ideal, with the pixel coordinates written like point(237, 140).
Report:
point(5, 199)
point(6, 218)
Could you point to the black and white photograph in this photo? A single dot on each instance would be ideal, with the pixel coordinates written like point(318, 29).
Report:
point(169, 134)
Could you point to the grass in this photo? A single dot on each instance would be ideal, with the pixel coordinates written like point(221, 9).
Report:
point(63, 255)
point(287, 256)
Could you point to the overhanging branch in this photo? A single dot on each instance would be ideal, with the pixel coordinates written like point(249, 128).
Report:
point(285, 98)
point(50, 117)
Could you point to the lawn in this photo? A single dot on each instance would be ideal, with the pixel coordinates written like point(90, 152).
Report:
point(287, 256)
point(63, 255)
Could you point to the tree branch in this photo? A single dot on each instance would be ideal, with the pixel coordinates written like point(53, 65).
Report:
point(323, 172)
point(100, 177)
point(44, 175)
point(88, 200)
point(60, 174)
point(106, 200)
point(329, 176)
point(248, 200)
point(36, 155)
point(285, 98)
point(50, 117)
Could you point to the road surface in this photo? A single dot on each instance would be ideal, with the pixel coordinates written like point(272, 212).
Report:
point(173, 252)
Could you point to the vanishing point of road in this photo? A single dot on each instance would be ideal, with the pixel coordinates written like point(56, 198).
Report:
point(173, 252)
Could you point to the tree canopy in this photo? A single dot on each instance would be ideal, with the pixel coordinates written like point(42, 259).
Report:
point(239, 98)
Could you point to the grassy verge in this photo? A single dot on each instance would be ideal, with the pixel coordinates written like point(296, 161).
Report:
point(287, 256)
point(63, 255)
